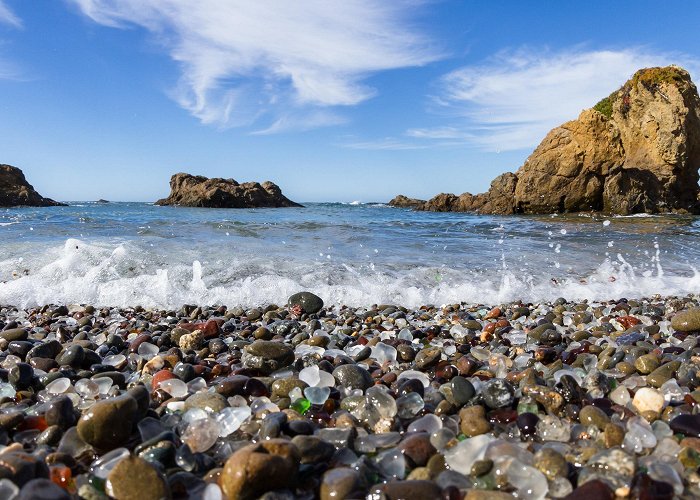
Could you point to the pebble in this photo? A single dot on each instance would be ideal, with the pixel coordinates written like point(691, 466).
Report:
point(648, 399)
point(353, 377)
point(687, 321)
point(257, 468)
point(472, 421)
point(547, 400)
point(108, 424)
point(307, 301)
point(132, 478)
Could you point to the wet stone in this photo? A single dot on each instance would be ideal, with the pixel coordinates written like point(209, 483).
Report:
point(353, 377)
point(498, 393)
point(268, 356)
point(462, 390)
point(307, 302)
point(687, 321)
point(43, 489)
point(208, 401)
point(108, 424)
point(134, 478)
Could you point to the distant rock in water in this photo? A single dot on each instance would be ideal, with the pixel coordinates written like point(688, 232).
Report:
point(197, 191)
point(406, 202)
point(15, 191)
point(636, 151)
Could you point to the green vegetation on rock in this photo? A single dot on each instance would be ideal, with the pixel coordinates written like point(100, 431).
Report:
point(651, 78)
point(605, 105)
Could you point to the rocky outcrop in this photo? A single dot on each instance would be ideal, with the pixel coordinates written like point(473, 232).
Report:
point(402, 201)
point(197, 191)
point(636, 151)
point(15, 191)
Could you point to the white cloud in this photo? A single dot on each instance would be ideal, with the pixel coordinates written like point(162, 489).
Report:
point(251, 61)
point(511, 100)
point(9, 17)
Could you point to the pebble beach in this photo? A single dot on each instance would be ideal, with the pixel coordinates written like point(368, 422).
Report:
point(558, 399)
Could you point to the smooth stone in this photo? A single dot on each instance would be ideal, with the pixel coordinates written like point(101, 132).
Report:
point(309, 303)
point(687, 321)
point(21, 375)
point(551, 463)
point(133, 478)
point(498, 393)
point(282, 387)
point(212, 402)
point(648, 399)
point(472, 421)
point(340, 483)
point(107, 424)
point(663, 373)
point(259, 468)
point(48, 349)
point(592, 415)
point(594, 489)
point(613, 435)
point(462, 390)
point(267, 356)
point(418, 448)
point(646, 363)
point(20, 467)
point(72, 356)
point(406, 490)
point(405, 353)
point(43, 489)
point(686, 424)
point(353, 377)
point(14, 334)
point(60, 412)
point(313, 449)
point(428, 357)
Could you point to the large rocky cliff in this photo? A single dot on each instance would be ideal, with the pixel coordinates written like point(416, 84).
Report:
point(636, 151)
point(15, 191)
point(197, 191)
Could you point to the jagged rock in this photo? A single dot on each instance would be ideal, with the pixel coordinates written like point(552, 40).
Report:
point(636, 151)
point(197, 191)
point(15, 191)
point(402, 201)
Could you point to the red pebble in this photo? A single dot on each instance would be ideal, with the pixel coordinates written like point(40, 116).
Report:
point(493, 313)
point(161, 376)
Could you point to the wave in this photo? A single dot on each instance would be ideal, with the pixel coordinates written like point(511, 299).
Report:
point(129, 274)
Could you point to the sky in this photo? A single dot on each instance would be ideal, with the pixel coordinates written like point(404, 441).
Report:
point(333, 100)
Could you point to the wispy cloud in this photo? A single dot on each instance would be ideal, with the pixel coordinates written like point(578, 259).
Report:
point(9, 17)
point(511, 100)
point(256, 62)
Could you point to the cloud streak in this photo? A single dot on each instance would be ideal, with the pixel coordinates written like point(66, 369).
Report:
point(270, 62)
point(511, 100)
point(9, 17)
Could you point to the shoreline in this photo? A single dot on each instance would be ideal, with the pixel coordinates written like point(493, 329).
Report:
point(542, 400)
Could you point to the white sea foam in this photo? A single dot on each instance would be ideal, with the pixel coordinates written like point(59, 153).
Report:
point(128, 274)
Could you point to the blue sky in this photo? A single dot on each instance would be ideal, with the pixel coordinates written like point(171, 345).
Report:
point(332, 100)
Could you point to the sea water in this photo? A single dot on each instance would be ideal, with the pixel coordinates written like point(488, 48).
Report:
point(127, 254)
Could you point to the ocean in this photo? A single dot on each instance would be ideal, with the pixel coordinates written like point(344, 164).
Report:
point(128, 254)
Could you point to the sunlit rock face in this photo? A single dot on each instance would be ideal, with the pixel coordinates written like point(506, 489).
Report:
point(636, 151)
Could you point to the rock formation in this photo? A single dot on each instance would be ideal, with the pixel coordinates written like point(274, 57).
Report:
point(15, 191)
point(402, 201)
point(636, 151)
point(197, 191)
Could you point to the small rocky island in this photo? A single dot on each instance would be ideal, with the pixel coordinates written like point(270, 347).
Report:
point(188, 190)
point(636, 151)
point(15, 191)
